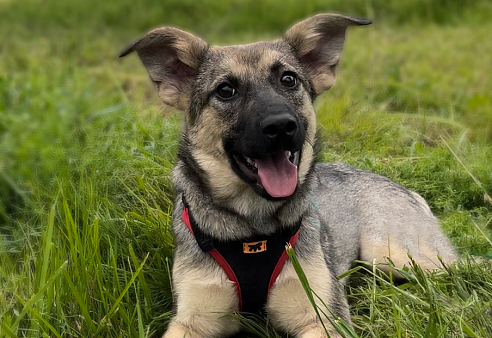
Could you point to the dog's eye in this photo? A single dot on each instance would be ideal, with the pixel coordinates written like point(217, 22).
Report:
point(226, 91)
point(288, 79)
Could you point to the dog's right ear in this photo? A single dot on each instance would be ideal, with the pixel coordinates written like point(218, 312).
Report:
point(172, 58)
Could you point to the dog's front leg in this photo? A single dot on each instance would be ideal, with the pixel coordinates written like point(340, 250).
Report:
point(205, 299)
point(290, 308)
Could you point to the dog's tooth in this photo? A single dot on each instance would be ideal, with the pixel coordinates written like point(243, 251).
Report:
point(250, 161)
point(288, 153)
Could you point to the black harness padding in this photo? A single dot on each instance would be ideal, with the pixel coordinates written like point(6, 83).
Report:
point(256, 261)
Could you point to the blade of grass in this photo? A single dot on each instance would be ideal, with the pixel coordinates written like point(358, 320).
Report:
point(6, 330)
point(118, 300)
point(486, 195)
point(481, 231)
point(141, 278)
point(41, 319)
point(336, 322)
point(304, 281)
point(39, 294)
point(48, 235)
point(80, 301)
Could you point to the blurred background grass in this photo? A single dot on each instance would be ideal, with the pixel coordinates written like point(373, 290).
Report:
point(86, 148)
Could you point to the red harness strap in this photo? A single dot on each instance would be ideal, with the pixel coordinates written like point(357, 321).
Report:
point(228, 269)
point(281, 261)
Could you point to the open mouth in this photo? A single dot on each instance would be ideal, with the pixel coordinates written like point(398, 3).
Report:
point(275, 173)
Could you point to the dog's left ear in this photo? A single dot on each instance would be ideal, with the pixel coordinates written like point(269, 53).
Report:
point(317, 43)
point(172, 58)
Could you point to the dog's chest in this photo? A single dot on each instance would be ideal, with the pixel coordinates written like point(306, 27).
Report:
point(252, 264)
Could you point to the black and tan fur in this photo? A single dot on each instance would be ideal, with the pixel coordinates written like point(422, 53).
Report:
point(345, 213)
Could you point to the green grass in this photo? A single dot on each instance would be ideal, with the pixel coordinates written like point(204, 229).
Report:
point(86, 152)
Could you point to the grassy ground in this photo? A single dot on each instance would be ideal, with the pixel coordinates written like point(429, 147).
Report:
point(86, 151)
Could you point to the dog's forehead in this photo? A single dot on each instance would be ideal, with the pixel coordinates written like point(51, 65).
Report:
point(254, 57)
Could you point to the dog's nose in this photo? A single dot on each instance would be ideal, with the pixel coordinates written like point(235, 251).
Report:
point(279, 126)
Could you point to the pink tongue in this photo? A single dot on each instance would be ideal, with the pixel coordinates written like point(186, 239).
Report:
point(277, 174)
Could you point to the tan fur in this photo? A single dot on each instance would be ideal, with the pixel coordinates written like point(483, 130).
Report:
point(397, 251)
point(323, 82)
point(205, 299)
point(207, 133)
point(288, 306)
point(172, 96)
point(267, 60)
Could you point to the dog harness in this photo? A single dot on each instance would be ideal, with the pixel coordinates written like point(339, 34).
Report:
point(252, 264)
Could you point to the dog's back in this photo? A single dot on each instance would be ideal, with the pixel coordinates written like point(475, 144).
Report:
point(369, 217)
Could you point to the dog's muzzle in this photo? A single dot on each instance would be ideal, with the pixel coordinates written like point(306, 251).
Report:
point(267, 151)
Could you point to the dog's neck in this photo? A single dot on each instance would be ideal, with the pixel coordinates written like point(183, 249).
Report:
point(227, 220)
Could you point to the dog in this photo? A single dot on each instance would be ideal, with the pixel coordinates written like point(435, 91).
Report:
point(247, 184)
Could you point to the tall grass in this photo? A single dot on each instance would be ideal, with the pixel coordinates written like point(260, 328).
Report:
point(86, 152)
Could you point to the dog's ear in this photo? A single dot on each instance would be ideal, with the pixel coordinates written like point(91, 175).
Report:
point(317, 43)
point(172, 58)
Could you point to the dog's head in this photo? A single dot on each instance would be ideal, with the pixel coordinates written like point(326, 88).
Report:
point(250, 122)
